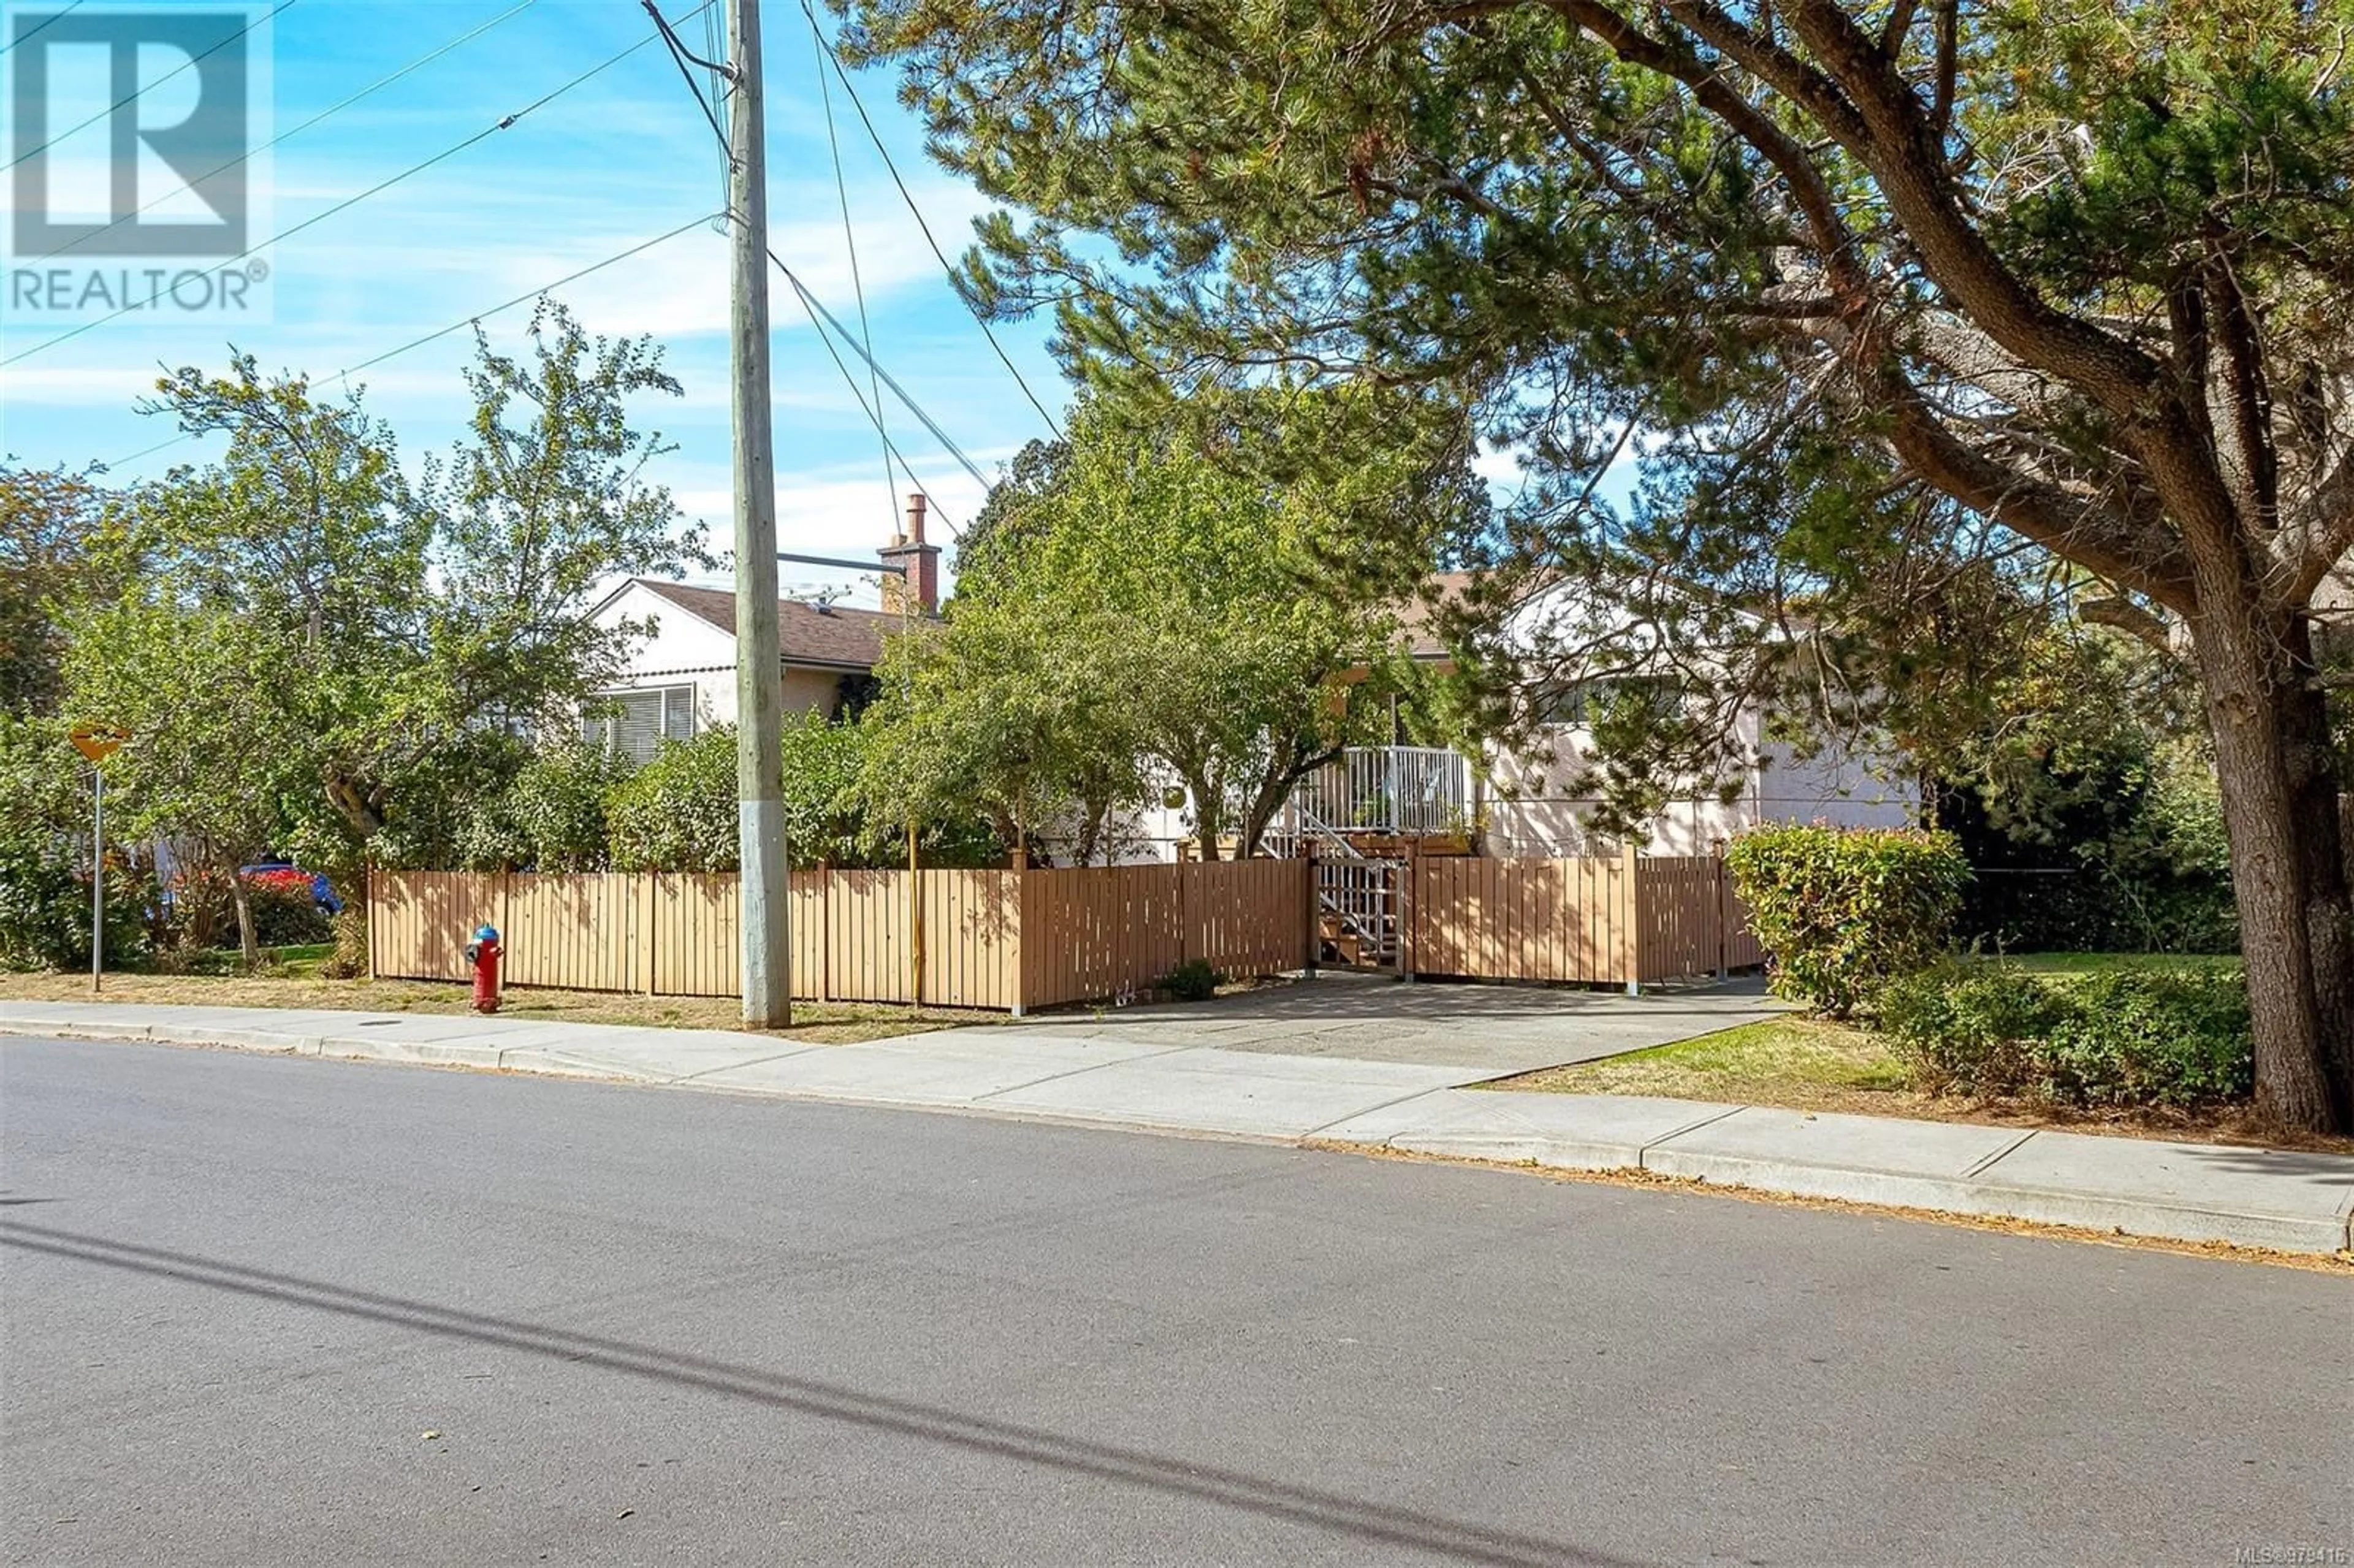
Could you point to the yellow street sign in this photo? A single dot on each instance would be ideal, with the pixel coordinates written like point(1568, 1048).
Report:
point(98, 741)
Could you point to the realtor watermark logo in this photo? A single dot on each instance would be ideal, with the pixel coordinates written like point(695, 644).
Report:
point(138, 175)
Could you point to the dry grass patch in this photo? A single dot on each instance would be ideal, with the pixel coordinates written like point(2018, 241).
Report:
point(823, 1023)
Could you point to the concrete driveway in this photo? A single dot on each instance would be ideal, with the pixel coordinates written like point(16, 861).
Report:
point(1485, 1030)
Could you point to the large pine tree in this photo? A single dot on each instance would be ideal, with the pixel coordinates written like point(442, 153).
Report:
point(2078, 267)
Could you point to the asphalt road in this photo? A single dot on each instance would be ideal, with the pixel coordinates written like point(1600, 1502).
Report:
point(263, 1312)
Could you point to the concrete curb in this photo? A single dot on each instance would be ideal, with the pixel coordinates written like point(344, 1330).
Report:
point(2274, 1200)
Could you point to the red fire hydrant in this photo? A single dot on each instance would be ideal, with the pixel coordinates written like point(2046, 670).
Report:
point(483, 954)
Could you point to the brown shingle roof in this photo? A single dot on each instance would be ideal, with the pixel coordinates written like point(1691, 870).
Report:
point(839, 637)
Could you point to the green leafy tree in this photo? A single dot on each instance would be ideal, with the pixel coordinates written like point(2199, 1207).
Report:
point(1832, 275)
point(306, 534)
point(217, 759)
point(1155, 606)
point(49, 522)
point(412, 631)
point(538, 509)
point(1013, 709)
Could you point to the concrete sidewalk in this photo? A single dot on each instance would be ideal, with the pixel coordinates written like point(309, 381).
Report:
point(1069, 1071)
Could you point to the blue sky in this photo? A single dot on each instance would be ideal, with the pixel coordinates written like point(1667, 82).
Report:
point(616, 162)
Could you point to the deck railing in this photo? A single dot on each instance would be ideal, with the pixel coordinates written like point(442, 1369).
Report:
point(1390, 790)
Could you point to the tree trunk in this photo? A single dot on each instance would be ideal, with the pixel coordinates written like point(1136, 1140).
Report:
point(2288, 876)
point(249, 949)
point(1209, 816)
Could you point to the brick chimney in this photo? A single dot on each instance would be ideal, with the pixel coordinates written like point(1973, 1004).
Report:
point(922, 583)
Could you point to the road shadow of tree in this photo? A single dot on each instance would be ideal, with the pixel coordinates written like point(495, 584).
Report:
point(1458, 1540)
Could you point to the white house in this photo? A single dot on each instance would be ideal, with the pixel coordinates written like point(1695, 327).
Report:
point(681, 677)
point(1507, 804)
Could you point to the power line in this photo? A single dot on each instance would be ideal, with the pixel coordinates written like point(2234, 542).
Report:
point(826, 49)
point(526, 297)
point(446, 153)
point(374, 86)
point(679, 56)
point(817, 308)
point(348, 372)
point(814, 310)
point(810, 308)
point(126, 101)
point(52, 17)
point(857, 281)
point(345, 375)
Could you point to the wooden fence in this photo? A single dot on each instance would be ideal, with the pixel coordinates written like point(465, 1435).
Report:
point(1003, 939)
point(1590, 920)
point(1018, 939)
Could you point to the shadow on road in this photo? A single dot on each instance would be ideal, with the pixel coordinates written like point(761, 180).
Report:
point(1372, 1522)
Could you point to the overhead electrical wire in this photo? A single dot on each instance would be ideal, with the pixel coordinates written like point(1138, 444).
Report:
point(857, 282)
point(820, 318)
point(52, 17)
point(485, 134)
point(817, 307)
point(827, 50)
point(813, 310)
point(681, 57)
point(381, 82)
point(345, 375)
point(129, 98)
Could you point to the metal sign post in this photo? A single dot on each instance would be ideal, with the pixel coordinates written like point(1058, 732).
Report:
point(98, 742)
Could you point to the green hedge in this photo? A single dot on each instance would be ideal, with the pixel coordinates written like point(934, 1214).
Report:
point(2120, 1038)
point(1846, 911)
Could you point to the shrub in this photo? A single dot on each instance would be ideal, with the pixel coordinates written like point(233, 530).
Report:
point(551, 816)
point(350, 959)
point(2125, 1037)
point(1845, 911)
point(286, 913)
point(45, 909)
point(678, 812)
point(1192, 981)
point(1968, 1028)
point(44, 857)
point(2178, 1037)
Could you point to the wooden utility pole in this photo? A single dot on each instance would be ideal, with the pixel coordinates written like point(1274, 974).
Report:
point(764, 888)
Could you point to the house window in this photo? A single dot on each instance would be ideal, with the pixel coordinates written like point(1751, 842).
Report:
point(1579, 703)
point(634, 723)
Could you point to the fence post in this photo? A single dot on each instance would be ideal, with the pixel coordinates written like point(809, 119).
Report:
point(825, 875)
point(1630, 906)
point(646, 885)
point(1021, 923)
point(1315, 911)
point(1724, 917)
point(1184, 927)
point(1406, 873)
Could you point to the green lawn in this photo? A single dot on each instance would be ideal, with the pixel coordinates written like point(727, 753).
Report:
point(1812, 1064)
point(2098, 963)
point(1782, 1060)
